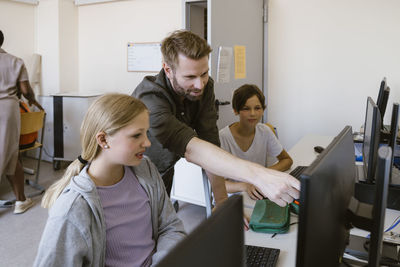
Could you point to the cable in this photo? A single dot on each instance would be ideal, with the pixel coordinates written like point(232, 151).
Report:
point(394, 221)
point(393, 225)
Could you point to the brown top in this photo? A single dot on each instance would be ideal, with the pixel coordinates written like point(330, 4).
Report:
point(174, 123)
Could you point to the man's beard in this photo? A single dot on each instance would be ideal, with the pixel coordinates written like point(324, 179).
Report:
point(179, 90)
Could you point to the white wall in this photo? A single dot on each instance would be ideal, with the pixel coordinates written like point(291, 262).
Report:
point(48, 43)
point(68, 46)
point(17, 22)
point(57, 35)
point(325, 58)
point(104, 31)
point(85, 48)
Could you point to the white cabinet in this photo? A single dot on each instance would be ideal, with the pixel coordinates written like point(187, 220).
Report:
point(188, 183)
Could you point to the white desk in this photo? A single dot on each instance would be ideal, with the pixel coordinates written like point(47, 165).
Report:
point(302, 154)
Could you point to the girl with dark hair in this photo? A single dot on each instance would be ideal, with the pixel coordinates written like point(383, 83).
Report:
point(251, 140)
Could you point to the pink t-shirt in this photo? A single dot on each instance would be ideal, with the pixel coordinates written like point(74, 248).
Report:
point(127, 212)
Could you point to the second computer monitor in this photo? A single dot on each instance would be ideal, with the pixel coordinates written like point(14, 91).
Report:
point(383, 97)
point(385, 157)
point(326, 189)
point(371, 139)
point(218, 241)
point(394, 126)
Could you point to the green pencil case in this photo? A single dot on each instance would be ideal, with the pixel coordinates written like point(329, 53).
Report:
point(268, 217)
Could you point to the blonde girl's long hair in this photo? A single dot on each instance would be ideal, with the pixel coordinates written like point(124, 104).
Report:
point(108, 114)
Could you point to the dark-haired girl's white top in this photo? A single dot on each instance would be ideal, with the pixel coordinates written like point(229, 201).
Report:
point(264, 144)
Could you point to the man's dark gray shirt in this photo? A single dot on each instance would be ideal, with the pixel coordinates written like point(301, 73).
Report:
point(173, 123)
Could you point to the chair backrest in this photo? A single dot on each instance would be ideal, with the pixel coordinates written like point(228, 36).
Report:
point(31, 122)
point(273, 129)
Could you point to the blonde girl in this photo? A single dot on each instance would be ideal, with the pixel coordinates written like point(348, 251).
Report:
point(110, 207)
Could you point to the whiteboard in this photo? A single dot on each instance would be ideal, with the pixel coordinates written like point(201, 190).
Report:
point(144, 57)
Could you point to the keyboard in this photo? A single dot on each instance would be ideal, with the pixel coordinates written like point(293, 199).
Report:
point(261, 257)
point(297, 171)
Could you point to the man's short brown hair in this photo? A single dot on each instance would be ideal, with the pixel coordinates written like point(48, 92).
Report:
point(186, 43)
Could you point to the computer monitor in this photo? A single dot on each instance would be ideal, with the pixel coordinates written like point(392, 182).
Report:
point(364, 190)
point(372, 217)
point(371, 139)
point(327, 186)
point(394, 125)
point(382, 106)
point(381, 89)
point(385, 158)
point(218, 241)
point(383, 97)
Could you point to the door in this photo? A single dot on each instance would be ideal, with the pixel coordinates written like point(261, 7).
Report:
point(229, 23)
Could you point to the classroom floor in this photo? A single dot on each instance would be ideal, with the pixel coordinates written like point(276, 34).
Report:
point(20, 234)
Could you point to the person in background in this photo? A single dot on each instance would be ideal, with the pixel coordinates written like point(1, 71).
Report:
point(183, 123)
point(13, 82)
point(251, 140)
point(110, 208)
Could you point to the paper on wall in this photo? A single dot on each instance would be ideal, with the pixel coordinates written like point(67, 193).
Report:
point(224, 64)
point(240, 62)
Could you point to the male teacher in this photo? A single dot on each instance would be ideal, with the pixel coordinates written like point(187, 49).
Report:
point(183, 123)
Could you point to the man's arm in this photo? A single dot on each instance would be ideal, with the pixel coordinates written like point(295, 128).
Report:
point(277, 186)
point(28, 93)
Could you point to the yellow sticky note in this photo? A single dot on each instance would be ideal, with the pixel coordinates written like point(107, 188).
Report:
point(240, 61)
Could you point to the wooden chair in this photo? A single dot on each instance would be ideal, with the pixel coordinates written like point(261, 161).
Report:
point(273, 129)
point(33, 122)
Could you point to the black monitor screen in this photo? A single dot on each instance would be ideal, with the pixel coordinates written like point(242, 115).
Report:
point(326, 189)
point(218, 241)
point(372, 217)
point(371, 139)
point(382, 107)
point(383, 97)
point(394, 125)
point(378, 213)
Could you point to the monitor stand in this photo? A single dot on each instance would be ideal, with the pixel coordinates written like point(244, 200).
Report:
point(365, 192)
point(358, 248)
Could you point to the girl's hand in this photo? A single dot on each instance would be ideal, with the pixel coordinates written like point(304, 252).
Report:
point(253, 192)
point(246, 221)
